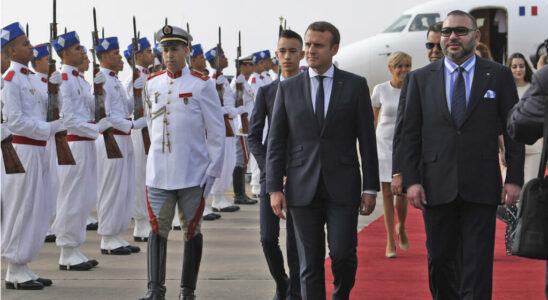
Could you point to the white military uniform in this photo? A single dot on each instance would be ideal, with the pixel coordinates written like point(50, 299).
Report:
point(140, 210)
point(116, 177)
point(256, 81)
point(27, 206)
point(247, 107)
point(222, 183)
point(78, 189)
point(179, 157)
point(266, 77)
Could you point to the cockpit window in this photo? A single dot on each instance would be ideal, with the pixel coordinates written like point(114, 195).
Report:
point(399, 25)
point(423, 21)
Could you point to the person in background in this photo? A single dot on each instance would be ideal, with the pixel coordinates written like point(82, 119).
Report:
point(385, 105)
point(483, 51)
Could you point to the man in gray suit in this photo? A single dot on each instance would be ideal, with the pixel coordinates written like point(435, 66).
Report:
point(317, 118)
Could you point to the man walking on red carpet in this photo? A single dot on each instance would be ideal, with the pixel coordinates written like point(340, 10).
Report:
point(450, 159)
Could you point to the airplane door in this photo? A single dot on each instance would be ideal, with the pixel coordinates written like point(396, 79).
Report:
point(493, 25)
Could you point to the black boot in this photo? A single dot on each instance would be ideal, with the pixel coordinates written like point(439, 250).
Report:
point(238, 182)
point(191, 266)
point(157, 251)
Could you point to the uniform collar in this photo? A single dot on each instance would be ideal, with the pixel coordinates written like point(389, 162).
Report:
point(70, 70)
point(20, 68)
point(43, 77)
point(175, 75)
point(143, 69)
point(110, 72)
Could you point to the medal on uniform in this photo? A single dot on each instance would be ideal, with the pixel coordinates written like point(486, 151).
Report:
point(32, 91)
point(116, 87)
point(185, 97)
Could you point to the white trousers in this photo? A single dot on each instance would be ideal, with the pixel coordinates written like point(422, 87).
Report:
point(77, 196)
point(222, 183)
point(140, 209)
point(27, 205)
point(116, 186)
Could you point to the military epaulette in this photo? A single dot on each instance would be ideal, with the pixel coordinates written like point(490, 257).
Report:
point(199, 75)
point(156, 74)
point(64, 76)
point(253, 80)
point(9, 75)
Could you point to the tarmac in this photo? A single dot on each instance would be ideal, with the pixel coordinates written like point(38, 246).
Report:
point(233, 264)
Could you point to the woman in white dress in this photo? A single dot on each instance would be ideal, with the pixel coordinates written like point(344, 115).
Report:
point(385, 100)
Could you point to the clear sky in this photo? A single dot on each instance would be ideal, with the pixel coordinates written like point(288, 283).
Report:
point(257, 20)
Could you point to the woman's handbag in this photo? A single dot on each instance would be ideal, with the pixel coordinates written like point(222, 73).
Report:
point(531, 238)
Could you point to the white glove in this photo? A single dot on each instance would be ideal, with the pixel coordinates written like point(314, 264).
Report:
point(56, 126)
point(140, 123)
point(103, 125)
point(241, 109)
point(240, 79)
point(207, 183)
point(5, 132)
point(99, 78)
point(55, 78)
point(139, 83)
point(221, 79)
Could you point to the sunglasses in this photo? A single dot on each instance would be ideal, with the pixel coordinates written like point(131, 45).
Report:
point(431, 46)
point(460, 31)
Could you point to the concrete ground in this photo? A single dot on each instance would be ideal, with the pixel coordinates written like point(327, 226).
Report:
point(233, 264)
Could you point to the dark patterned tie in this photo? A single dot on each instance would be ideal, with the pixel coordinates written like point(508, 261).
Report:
point(458, 101)
point(320, 102)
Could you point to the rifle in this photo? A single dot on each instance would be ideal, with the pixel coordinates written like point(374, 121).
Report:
point(64, 155)
point(113, 151)
point(220, 87)
point(138, 110)
point(27, 32)
point(240, 88)
point(189, 64)
point(12, 163)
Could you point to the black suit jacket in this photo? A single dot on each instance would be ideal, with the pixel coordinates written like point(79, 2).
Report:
point(264, 103)
point(396, 143)
point(450, 161)
point(295, 135)
point(526, 119)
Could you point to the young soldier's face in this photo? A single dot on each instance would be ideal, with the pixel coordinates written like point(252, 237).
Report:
point(84, 66)
point(198, 62)
point(146, 56)
point(73, 55)
point(41, 65)
point(289, 54)
point(21, 51)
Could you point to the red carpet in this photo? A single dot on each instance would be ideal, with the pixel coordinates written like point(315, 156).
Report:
point(406, 277)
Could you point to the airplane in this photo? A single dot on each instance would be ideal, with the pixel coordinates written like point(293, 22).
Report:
point(527, 22)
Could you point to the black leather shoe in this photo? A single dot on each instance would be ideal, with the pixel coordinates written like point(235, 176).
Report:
point(210, 217)
point(92, 226)
point(117, 251)
point(50, 238)
point(176, 227)
point(44, 281)
point(93, 262)
point(140, 238)
point(217, 216)
point(133, 249)
point(231, 208)
point(79, 267)
point(27, 285)
point(244, 200)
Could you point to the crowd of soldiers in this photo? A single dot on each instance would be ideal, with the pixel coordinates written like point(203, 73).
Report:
point(196, 129)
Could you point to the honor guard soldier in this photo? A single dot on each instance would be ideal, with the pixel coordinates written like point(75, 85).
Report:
point(78, 188)
point(40, 64)
point(257, 80)
point(267, 67)
point(91, 222)
point(143, 58)
point(242, 151)
point(116, 179)
point(275, 69)
point(26, 196)
point(198, 63)
point(186, 155)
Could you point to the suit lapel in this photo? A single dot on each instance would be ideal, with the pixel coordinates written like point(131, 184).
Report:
point(479, 83)
point(438, 87)
point(334, 97)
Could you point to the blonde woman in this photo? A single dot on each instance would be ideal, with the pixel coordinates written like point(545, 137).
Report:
point(385, 105)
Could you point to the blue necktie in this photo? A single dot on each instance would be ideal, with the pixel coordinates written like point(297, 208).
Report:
point(320, 102)
point(458, 101)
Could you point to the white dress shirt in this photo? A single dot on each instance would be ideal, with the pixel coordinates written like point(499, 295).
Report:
point(327, 86)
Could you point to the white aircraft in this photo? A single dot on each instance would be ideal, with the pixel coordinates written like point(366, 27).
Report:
point(527, 22)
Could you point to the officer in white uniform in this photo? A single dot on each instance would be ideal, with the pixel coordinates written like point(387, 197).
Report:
point(78, 190)
point(40, 65)
point(267, 67)
point(143, 58)
point(183, 161)
point(275, 69)
point(116, 177)
point(242, 151)
point(26, 196)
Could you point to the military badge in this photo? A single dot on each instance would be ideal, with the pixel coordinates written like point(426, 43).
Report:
point(185, 97)
point(167, 30)
point(32, 91)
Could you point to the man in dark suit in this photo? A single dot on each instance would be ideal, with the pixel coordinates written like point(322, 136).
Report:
point(317, 118)
point(289, 54)
point(450, 159)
